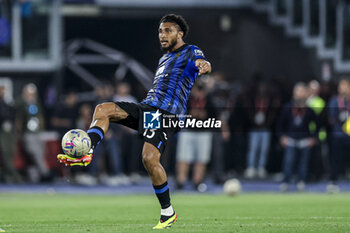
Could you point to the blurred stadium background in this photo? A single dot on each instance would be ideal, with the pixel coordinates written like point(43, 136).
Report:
point(60, 58)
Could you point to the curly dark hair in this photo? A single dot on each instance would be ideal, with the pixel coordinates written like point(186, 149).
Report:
point(177, 19)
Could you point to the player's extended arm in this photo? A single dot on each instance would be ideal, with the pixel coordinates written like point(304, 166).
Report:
point(203, 66)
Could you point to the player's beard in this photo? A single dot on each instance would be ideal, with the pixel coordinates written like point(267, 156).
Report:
point(170, 47)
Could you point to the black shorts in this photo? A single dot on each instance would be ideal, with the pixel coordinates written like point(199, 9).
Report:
point(157, 137)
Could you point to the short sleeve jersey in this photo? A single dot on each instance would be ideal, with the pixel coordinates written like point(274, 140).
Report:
point(174, 79)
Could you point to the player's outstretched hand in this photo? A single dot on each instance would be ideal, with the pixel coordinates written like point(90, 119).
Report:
point(203, 66)
point(70, 161)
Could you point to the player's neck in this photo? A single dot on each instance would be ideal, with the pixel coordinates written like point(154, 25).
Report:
point(178, 45)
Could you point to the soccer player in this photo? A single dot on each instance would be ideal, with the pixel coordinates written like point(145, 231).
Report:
point(176, 73)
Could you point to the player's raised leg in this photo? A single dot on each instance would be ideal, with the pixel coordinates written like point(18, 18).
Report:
point(151, 161)
point(103, 115)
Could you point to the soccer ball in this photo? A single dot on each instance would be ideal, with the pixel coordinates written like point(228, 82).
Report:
point(76, 143)
point(232, 187)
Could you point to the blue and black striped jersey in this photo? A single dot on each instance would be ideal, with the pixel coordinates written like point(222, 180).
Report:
point(174, 78)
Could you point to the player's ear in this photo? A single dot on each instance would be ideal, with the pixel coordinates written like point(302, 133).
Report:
point(180, 34)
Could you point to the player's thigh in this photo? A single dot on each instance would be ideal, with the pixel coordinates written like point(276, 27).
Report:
point(204, 145)
point(110, 110)
point(185, 147)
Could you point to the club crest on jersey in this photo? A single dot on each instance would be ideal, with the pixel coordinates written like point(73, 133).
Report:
point(198, 52)
point(151, 120)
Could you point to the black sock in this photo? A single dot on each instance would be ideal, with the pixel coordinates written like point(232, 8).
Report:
point(164, 218)
point(162, 192)
point(96, 135)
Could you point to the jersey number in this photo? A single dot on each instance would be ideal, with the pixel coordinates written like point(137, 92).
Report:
point(149, 133)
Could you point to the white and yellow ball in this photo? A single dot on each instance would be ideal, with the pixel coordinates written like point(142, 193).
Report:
point(76, 143)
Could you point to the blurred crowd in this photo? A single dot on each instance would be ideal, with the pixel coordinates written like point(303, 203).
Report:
point(271, 130)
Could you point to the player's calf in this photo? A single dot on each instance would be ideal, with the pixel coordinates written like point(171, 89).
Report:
point(151, 161)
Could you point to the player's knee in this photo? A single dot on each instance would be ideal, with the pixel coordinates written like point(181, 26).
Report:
point(149, 159)
point(98, 110)
point(104, 110)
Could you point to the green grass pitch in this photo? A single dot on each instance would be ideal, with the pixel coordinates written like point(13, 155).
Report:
point(44, 213)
